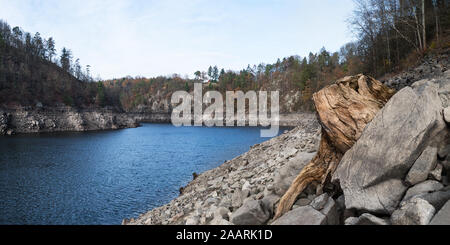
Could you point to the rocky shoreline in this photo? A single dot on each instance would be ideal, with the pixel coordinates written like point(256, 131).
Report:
point(397, 172)
point(68, 119)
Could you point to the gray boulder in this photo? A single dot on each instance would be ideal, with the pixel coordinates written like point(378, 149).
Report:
point(423, 188)
point(415, 212)
point(444, 151)
point(331, 212)
point(269, 202)
point(251, 213)
point(302, 216)
point(443, 216)
point(366, 219)
point(447, 115)
point(423, 166)
point(371, 173)
point(436, 174)
point(438, 198)
point(319, 202)
point(290, 171)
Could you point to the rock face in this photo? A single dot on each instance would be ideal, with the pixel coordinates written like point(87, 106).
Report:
point(371, 173)
point(60, 119)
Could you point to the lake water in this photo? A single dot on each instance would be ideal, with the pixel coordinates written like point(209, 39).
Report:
point(103, 177)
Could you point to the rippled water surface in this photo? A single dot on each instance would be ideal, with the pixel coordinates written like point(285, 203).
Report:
point(103, 177)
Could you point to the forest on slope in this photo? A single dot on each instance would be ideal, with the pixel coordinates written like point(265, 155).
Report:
point(391, 35)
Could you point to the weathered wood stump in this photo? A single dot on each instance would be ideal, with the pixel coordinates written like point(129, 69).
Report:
point(344, 109)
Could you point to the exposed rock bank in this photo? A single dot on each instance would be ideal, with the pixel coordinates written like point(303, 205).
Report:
point(397, 172)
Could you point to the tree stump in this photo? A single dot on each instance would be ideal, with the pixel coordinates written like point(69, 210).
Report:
point(344, 109)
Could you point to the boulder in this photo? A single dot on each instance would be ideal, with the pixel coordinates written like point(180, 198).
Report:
point(302, 216)
point(436, 174)
point(423, 188)
point(443, 216)
point(288, 172)
point(447, 115)
point(220, 221)
point(320, 201)
point(269, 202)
point(371, 173)
point(251, 213)
point(423, 166)
point(302, 202)
point(415, 212)
point(366, 219)
point(444, 151)
point(331, 212)
point(438, 198)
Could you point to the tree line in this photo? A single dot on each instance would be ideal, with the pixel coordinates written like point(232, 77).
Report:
point(391, 34)
point(37, 46)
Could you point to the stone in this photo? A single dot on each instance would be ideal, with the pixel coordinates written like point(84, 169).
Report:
point(269, 202)
point(302, 202)
point(423, 188)
point(371, 173)
point(320, 201)
point(192, 221)
point(443, 216)
point(447, 115)
point(221, 212)
point(351, 221)
point(288, 172)
point(422, 167)
point(438, 198)
point(366, 219)
point(237, 199)
point(246, 186)
point(330, 210)
point(436, 174)
point(302, 216)
point(444, 151)
point(220, 221)
point(251, 213)
point(415, 212)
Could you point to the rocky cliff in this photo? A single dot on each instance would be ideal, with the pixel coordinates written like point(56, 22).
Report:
point(392, 165)
point(58, 119)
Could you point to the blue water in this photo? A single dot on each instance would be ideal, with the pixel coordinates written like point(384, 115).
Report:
point(103, 177)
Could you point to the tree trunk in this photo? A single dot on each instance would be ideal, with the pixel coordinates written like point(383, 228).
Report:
point(424, 32)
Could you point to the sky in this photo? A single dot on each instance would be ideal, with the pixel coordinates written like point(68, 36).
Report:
point(148, 38)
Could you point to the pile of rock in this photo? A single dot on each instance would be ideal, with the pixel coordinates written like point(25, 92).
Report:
point(432, 66)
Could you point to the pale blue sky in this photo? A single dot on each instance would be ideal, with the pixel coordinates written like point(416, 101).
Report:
point(162, 37)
